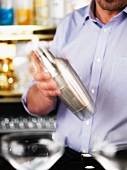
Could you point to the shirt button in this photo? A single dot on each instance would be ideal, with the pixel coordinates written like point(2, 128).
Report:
point(92, 91)
point(105, 30)
point(98, 60)
point(83, 152)
point(87, 122)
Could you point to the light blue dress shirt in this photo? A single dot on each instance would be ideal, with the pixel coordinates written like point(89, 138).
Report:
point(98, 53)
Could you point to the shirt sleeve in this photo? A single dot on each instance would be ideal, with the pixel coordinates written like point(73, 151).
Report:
point(23, 99)
point(54, 47)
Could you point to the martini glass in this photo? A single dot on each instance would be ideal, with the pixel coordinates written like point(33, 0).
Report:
point(31, 150)
point(111, 153)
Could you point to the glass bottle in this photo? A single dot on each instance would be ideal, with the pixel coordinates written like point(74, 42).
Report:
point(6, 12)
point(23, 12)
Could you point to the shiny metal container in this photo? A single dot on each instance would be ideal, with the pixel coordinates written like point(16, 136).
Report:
point(74, 94)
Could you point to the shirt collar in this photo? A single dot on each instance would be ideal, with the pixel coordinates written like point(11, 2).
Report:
point(90, 11)
point(89, 14)
point(125, 10)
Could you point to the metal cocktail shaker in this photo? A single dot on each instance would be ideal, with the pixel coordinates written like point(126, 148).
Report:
point(74, 94)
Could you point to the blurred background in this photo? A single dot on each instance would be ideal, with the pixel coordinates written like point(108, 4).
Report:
point(22, 22)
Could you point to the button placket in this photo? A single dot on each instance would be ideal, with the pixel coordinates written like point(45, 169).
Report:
point(98, 60)
point(92, 91)
point(105, 30)
point(86, 136)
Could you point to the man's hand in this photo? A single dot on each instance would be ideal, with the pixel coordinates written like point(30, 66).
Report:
point(43, 94)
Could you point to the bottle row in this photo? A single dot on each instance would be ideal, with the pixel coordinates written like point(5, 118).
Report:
point(38, 12)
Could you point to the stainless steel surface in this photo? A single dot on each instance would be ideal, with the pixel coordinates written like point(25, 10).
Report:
point(74, 94)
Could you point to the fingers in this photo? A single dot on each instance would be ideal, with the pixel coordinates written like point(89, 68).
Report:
point(46, 84)
point(44, 81)
point(48, 87)
point(42, 76)
point(32, 69)
point(51, 93)
point(36, 62)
